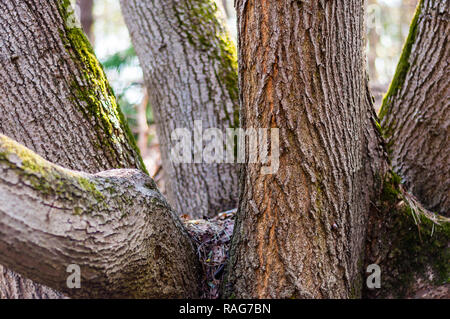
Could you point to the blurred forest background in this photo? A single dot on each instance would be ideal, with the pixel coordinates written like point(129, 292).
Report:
point(387, 28)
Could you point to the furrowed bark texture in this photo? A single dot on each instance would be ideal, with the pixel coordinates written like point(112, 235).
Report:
point(416, 110)
point(300, 232)
point(115, 225)
point(13, 285)
point(55, 99)
point(189, 67)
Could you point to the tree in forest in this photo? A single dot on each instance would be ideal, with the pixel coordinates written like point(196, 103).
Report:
point(189, 66)
point(73, 189)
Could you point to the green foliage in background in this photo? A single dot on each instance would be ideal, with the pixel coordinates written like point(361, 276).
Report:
point(118, 62)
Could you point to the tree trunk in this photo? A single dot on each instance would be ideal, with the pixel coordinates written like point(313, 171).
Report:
point(189, 67)
point(54, 96)
point(334, 206)
point(55, 99)
point(114, 225)
point(143, 129)
point(416, 114)
point(300, 233)
point(87, 17)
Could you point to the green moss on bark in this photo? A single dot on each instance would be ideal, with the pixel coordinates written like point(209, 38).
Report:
point(409, 243)
point(203, 29)
point(43, 176)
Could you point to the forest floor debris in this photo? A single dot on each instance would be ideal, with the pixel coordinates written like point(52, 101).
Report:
point(212, 238)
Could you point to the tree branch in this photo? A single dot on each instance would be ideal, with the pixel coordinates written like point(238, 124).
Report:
point(409, 243)
point(115, 225)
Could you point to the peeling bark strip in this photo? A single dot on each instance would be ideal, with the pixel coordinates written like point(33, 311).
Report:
point(54, 96)
point(189, 66)
point(416, 110)
point(115, 225)
point(301, 232)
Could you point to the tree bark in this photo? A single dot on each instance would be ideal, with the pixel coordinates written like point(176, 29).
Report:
point(143, 129)
point(115, 225)
point(416, 114)
point(189, 67)
point(54, 96)
point(300, 233)
point(55, 100)
point(87, 17)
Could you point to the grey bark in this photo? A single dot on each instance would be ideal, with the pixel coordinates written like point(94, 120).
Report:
point(300, 233)
point(416, 110)
point(189, 67)
point(55, 100)
point(115, 225)
point(87, 17)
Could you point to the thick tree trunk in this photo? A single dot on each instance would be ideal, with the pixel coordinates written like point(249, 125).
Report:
point(416, 114)
point(55, 99)
point(114, 225)
point(189, 66)
point(301, 232)
point(87, 17)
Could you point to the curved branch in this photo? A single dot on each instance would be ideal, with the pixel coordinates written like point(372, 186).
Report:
point(115, 225)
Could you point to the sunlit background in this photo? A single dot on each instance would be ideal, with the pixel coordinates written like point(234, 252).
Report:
point(387, 27)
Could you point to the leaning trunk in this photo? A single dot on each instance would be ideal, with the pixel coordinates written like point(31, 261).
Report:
point(55, 100)
point(416, 110)
point(189, 66)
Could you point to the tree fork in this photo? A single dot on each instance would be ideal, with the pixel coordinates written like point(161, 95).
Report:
point(416, 110)
point(56, 100)
point(409, 243)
